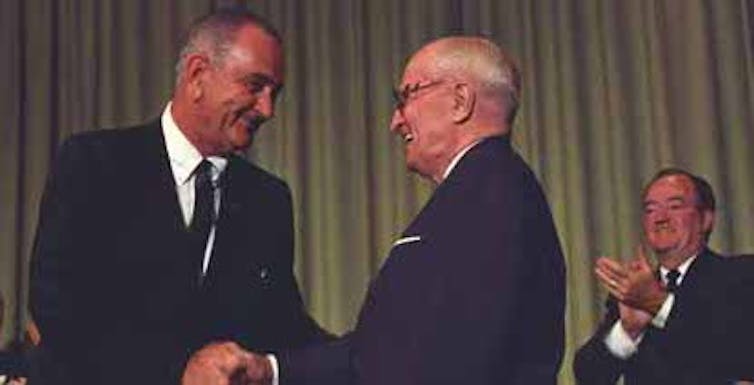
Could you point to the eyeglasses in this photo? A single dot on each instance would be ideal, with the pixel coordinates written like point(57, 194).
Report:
point(402, 97)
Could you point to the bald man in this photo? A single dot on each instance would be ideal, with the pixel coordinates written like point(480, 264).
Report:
point(473, 290)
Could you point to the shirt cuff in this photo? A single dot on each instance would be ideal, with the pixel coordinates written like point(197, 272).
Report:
point(619, 343)
point(661, 318)
point(275, 369)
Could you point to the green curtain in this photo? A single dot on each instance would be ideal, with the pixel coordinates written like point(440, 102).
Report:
point(613, 90)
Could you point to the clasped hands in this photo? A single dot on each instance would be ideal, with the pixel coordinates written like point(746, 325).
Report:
point(633, 283)
point(226, 363)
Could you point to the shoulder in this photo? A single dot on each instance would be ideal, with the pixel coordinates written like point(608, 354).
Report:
point(105, 143)
point(250, 176)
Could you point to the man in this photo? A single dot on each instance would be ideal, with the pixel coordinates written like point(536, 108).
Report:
point(690, 325)
point(157, 239)
point(473, 292)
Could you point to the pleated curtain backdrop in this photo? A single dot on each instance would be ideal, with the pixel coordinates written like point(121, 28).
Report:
point(613, 91)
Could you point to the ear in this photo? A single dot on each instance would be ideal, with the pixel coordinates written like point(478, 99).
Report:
point(708, 220)
point(464, 100)
point(195, 73)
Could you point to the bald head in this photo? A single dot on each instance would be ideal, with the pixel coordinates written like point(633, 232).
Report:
point(476, 59)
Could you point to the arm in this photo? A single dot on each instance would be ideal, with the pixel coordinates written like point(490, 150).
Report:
point(594, 363)
point(62, 300)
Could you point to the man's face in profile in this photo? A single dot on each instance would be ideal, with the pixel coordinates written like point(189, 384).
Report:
point(672, 220)
point(421, 117)
point(240, 91)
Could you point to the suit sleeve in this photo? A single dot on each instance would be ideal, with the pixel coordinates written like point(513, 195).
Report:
point(594, 364)
point(324, 363)
point(60, 300)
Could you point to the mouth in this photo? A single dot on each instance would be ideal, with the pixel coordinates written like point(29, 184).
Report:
point(251, 123)
point(407, 137)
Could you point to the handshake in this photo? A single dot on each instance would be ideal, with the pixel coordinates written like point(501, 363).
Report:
point(226, 363)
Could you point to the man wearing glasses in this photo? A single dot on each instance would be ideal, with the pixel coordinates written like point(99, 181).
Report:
point(473, 290)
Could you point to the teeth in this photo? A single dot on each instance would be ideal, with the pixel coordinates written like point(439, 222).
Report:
point(408, 137)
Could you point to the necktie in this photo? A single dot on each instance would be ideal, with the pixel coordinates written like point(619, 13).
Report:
point(672, 280)
point(204, 210)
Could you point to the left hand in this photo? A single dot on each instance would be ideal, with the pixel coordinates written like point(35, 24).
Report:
point(219, 363)
point(633, 284)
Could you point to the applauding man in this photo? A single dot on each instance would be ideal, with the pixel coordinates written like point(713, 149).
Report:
point(684, 323)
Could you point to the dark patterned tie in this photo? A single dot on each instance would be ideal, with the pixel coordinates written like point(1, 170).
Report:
point(672, 280)
point(204, 211)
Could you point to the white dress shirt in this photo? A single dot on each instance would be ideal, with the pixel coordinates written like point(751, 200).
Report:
point(620, 344)
point(457, 158)
point(184, 158)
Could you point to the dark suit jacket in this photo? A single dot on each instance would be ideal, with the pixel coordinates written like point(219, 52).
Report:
point(477, 298)
point(707, 338)
point(114, 285)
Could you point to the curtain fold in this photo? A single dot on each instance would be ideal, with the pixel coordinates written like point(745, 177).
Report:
point(613, 91)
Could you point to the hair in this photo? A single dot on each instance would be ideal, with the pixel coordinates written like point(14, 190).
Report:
point(214, 34)
point(487, 63)
point(705, 197)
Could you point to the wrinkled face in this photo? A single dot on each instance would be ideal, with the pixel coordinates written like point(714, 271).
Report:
point(422, 119)
point(673, 223)
point(239, 92)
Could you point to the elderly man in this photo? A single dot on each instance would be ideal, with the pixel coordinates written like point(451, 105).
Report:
point(687, 323)
point(158, 239)
point(473, 291)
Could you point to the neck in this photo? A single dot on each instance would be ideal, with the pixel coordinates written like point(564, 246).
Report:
point(186, 119)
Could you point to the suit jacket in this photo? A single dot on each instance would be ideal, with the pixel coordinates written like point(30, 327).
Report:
point(707, 338)
point(114, 285)
point(472, 294)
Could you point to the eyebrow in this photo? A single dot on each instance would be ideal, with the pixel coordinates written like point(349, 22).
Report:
point(674, 198)
point(259, 77)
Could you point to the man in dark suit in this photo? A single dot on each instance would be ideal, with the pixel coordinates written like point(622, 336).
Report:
point(473, 292)
point(157, 239)
point(689, 323)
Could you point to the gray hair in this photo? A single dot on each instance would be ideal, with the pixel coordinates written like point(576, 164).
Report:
point(486, 63)
point(214, 34)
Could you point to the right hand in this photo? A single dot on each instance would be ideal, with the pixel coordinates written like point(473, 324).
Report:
point(226, 363)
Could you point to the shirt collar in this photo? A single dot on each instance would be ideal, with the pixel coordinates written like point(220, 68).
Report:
point(457, 158)
point(682, 269)
point(184, 157)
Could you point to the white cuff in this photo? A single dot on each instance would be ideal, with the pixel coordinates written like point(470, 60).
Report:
point(619, 343)
point(275, 369)
point(661, 318)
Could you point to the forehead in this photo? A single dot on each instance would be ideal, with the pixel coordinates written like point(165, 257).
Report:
point(255, 51)
point(418, 68)
point(670, 187)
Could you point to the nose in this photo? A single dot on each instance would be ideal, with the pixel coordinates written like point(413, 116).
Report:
point(660, 215)
point(397, 121)
point(265, 103)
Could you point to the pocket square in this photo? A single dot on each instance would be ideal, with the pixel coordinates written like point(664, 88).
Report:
point(404, 240)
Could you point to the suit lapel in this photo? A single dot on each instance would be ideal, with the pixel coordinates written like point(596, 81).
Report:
point(240, 221)
point(159, 179)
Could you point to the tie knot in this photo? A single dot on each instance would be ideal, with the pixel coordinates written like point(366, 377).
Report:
point(671, 277)
point(203, 169)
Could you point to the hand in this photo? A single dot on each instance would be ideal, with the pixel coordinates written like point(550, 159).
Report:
point(226, 363)
point(633, 284)
point(258, 370)
point(633, 320)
